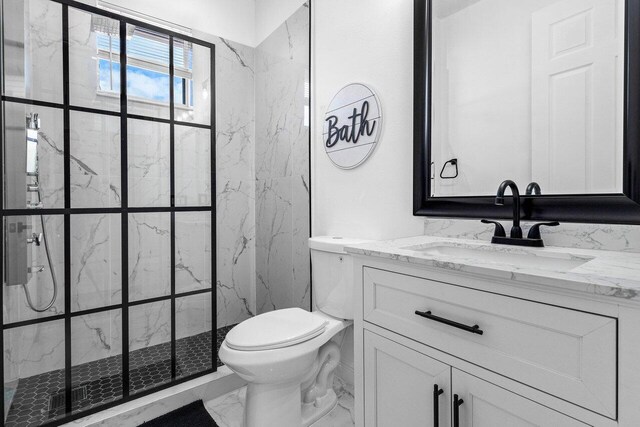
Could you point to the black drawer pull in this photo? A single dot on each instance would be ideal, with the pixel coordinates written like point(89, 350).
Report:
point(437, 391)
point(456, 410)
point(475, 329)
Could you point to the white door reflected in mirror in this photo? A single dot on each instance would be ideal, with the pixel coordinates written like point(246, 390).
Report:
point(529, 90)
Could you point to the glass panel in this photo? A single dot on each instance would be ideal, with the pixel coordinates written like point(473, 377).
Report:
point(96, 265)
point(147, 73)
point(34, 266)
point(95, 161)
point(193, 251)
point(34, 374)
point(192, 166)
point(96, 356)
point(32, 31)
point(192, 83)
point(193, 334)
point(149, 255)
point(94, 60)
point(149, 163)
point(149, 345)
point(33, 157)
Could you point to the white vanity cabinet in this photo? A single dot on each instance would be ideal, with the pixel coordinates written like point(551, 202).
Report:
point(515, 354)
point(404, 387)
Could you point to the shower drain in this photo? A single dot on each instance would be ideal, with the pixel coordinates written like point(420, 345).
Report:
point(56, 401)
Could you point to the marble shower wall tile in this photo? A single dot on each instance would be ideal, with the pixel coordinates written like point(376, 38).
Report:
point(96, 266)
point(193, 315)
point(300, 241)
point(96, 336)
point(149, 324)
point(95, 160)
point(236, 249)
point(192, 166)
point(149, 171)
point(34, 349)
point(35, 27)
point(235, 190)
point(608, 237)
point(193, 251)
point(274, 245)
point(149, 255)
point(282, 167)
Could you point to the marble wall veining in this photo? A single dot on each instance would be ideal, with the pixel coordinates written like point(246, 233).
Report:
point(608, 237)
point(282, 166)
point(235, 181)
point(96, 182)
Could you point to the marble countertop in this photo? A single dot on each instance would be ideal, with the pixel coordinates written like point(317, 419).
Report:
point(610, 273)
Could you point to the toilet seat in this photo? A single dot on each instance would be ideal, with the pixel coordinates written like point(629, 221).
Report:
point(276, 329)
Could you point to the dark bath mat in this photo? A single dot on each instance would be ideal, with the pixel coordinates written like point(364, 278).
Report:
point(194, 415)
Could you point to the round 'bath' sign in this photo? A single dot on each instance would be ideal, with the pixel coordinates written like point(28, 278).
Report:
point(352, 126)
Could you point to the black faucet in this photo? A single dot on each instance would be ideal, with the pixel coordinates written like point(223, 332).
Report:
point(533, 189)
point(516, 231)
point(515, 236)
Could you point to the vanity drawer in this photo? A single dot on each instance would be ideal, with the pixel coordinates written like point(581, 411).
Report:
point(566, 353)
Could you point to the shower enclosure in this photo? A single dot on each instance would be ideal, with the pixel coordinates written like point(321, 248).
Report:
point(108, 225)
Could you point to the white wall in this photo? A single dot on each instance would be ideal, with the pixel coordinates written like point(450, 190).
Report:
point(229, 19)
point(270, 14)
point(368, 41)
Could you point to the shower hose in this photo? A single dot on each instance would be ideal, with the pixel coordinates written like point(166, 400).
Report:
point(53, 273)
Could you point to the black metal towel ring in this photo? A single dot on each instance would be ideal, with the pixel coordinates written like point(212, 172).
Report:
point(453, 162)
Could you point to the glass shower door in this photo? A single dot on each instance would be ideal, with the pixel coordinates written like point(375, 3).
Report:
point(107, 217)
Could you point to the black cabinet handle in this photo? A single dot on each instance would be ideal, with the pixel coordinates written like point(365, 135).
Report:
point(475, 329)
point(437, 391)
point(456, 410)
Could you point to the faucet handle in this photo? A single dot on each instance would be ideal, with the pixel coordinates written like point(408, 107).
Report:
point(499, 231)
point(534, 231)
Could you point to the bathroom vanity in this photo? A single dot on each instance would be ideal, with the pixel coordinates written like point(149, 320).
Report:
point(452, 332)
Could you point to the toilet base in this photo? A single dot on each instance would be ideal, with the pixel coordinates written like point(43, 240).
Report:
point(271, 405)
point(312, 412)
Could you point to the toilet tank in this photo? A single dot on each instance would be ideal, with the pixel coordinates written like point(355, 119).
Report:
point(332, 275)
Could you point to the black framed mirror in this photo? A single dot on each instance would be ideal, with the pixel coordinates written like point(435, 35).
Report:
point(444, 176)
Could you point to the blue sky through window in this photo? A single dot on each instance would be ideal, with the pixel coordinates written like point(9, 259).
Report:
point(143, 82)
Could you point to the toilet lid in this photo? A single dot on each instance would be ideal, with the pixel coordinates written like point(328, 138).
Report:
point(275, 329)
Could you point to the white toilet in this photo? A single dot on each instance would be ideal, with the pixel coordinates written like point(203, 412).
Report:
point(285, 355)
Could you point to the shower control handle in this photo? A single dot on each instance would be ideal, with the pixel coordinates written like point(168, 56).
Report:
point(35, 238)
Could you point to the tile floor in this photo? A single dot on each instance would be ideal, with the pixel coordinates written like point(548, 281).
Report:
point(227, 409)
point(40, 398)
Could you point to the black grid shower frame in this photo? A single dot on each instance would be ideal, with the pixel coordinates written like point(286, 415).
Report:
point(124, 210)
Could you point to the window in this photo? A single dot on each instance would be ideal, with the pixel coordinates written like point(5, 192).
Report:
point(147, 66)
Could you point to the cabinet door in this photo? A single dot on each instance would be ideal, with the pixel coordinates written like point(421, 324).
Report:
point(487, 405)
point(399, 386)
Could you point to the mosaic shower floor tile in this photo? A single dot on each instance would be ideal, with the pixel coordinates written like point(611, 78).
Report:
point(40, 398)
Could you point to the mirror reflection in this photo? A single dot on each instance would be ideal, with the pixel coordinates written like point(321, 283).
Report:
point(530, 90)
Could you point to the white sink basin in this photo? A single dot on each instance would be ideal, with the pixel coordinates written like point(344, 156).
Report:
point(503, 255)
